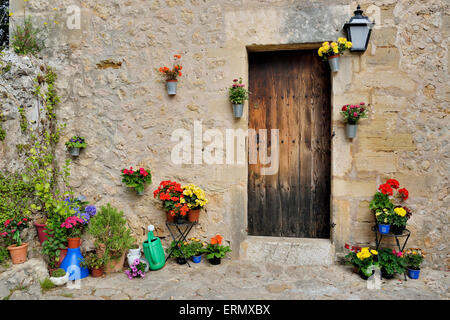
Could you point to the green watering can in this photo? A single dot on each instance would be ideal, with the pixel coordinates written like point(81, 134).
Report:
point(153, 250)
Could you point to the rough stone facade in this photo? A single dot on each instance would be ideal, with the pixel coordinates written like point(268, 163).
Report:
point(113, 95)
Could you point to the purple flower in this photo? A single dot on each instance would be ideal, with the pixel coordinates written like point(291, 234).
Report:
point(91, 210)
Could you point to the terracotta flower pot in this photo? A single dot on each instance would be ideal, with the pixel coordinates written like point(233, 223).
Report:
point(62, 255)
point(170, 218)
point(74, 243)
point(41, 231)
point(115, 265)
point(96, 272)
point(193, 215)
point(18, 254)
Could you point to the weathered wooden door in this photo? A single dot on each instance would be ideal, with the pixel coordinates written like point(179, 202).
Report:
point(290, 91)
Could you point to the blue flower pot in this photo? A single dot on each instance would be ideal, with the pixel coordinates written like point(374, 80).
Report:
point(413, 274)
point(196, 259)
point(384, 228)
point(71, 264)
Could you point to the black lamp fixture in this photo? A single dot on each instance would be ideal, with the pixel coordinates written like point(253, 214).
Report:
point(358, 31)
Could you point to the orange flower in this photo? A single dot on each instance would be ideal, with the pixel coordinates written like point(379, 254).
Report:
point(213, 241)
point(177, 56)
point(217, 239)
point(180, 74)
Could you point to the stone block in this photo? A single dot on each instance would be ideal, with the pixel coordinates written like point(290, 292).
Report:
point(341, 153)
point(383, 162)
point(384, 58)
point(342, 220)
point(364, 214)
point(353, 188)
point(388, 143)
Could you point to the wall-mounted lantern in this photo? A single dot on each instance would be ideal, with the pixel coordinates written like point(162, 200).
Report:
point(358, 31)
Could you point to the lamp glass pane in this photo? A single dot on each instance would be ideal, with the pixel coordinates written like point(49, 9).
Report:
point(359, 35)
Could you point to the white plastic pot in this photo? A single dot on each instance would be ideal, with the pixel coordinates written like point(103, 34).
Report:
point(61, 280)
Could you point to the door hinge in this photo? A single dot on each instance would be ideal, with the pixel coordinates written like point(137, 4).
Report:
point(333, 225)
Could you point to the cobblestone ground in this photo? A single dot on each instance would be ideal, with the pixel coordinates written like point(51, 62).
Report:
point(244, 280)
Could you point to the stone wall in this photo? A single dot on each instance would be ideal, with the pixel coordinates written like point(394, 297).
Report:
point(112, 94)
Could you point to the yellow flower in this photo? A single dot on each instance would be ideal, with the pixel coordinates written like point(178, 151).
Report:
point(320, 52)
point(334, 44)
point(342, 40)
point(11, 14)
point(325, 44)
point(336, 50)
point(348, 44)
point(374, 252)
point(400, 211)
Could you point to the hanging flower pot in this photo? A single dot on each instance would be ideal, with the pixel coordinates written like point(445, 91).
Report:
point(75, 144)
point(351, 130)
point(18, 253)
point(140, 192)
point(172, 87)
point(238, 110)
point(136, 179)
point(334, 63)
point(384, 228)
point(237, 95)
point(75, 152)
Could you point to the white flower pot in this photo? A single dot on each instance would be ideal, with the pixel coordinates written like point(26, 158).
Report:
point(132, 255)
point(61, 280)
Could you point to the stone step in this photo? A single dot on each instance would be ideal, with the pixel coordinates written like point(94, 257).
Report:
point(287, 251)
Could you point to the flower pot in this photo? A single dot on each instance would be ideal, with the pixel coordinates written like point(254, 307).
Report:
point(384, 228)
point(18, 254)
point(61, 280)
point(115, 265)
point(386, 275)
point(169, 217)
point(96, 272)
point(193, 215)
point(238, 110)
point(41, 231)
point(334, 63)
point(181, 260)
point(73, 243)
point(180, 220)
point(140, 193)
point(132, 255)
point(350, 129)
point(363, 276)
point(172, 87)
point(197, 259)
point(413, 273)
point(62, 255)
point(75, 152)
point(397, 230)
point(214, 261)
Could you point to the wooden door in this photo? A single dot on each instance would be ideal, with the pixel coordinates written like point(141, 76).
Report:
point(290, 91)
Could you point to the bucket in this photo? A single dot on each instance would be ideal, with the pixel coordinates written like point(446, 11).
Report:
point(413, 274)
point(238, 110)
point(351, 130)
point(172, 87)
point(334, 63)
point(75, 152)
point(384, 228)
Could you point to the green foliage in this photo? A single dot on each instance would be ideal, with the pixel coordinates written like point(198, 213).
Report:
point(76, 142)
point(4, 255)
point(23, 119)
point(383, 208)
point(414, 258)
point(93, 261)
point(46, 285)
point(390, 262)
point(195, 248)
point(363, 260)
point(11, 230)
point(15, 196)
point(57, 238)
point(136, 179)
point(58, 273)
point(25, 38)
point(216, 251)
point(179, 251)
point(109, 228)
point(237, 93)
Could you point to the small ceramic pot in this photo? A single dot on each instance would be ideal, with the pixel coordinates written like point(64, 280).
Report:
point(73, 243)
point(197, 259)
point(172, 87)
point(238, 110)
point(75, 152)
point(96, 272)
point(413, 274)
point(351, 130)
point(334, 63)
point(61, 280)
point(384, 228)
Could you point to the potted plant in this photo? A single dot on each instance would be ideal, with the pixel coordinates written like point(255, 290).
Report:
point(75, 144)
point(332, 52)
point(196, 248)
point(74, 226)
point(352, 113)
point(109, 229)
point(59, 277)
point(94, 263)
point(363, 260)
point(10, 232)
point(172, 75)
point(195, 198)
point(413, 259)
point(170, 193)
point(400, 219)
point(215, 251)
point(179, 251)
point(238, 94)
point(390, 262)
point(133, 253)
point(136, 179)
point(137, 269)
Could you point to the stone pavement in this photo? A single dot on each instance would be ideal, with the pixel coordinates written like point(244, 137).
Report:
point(235, 279)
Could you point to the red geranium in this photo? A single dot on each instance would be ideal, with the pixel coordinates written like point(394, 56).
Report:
point(393, 183)
point(386, 189)
point(171, 193)
point(403, 193)
point(136, 179)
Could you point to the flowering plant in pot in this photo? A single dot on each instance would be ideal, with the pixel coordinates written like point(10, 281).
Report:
point(74, 227)
point(180, 251)
point(59, 277)
point(94, 263)
point(413, 259)
point(170, 193)
point(75, 144)
point(362, 259)
point(352, 113)
point(196, 248)
point(332, 51)
point(195, 199)
point(137, 270)
point(215, 251)
point(391, 262)
point(172, 75)
point(136, 179)
point(11, 234)
point(237, 95)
